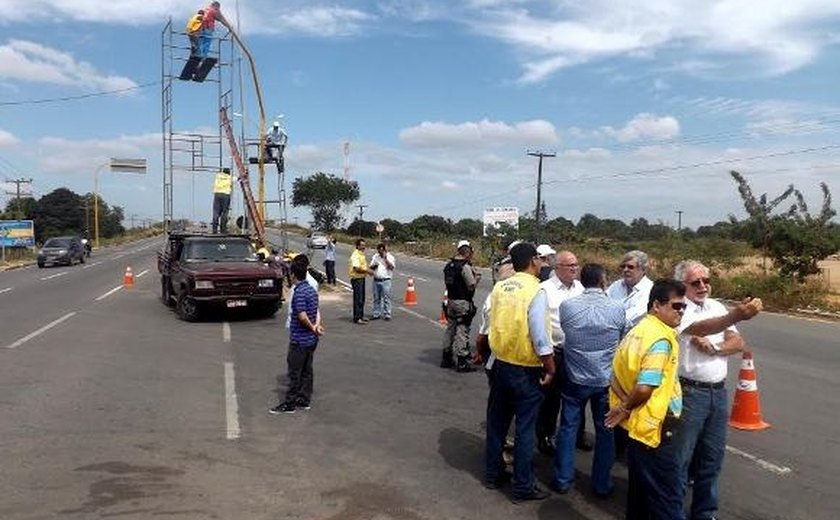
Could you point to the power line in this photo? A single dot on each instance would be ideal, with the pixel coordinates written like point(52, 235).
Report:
point(77, 97)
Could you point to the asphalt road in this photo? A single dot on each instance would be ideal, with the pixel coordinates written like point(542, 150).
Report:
point(111, 406)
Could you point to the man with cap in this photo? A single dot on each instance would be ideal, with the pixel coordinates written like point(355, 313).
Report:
point(546, 254)
point(275, 144)
point(460, 279)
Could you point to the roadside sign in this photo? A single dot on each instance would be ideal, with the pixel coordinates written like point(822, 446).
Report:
point(380, 228)
point(494, 217)
point(17, 233)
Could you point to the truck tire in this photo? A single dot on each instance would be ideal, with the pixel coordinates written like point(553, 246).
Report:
point(187, 308)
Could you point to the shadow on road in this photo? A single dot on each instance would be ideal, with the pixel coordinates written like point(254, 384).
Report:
point(463, 451)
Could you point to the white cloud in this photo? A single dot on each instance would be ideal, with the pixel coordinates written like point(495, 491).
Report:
point(68, 156)
point(450, 185)
point(484, 133)
point(326, 21)
point(7, 138)
point(645, 126)
point(29, 61)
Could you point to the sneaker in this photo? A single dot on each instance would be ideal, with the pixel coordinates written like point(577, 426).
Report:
point(282, 408)
point(387, 318)
point(535, 494)
point(374, 317)
point(303, 406)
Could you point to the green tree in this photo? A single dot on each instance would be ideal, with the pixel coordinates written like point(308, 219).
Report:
point(25, 210)
point(362, 228)
point(395, 230)
point(324, 194)
point(60, 212)
point(430, 226)
point(468, 228)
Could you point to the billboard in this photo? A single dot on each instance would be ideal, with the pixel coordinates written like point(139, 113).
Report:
point(494, 217)
point(17, 233)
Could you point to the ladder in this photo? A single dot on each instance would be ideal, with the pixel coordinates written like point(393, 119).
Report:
point(245, 184)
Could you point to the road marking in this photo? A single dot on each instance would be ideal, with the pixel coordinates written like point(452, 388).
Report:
point(7, 289)
point(88, 266)
point(42, 330)
point(141, 273)
point(119, 256)
point(418, 278)
point(763, 464)
point(231, 404)
point(226, 332)
point(418, 315)
point(109, 293)
point(345, 284)
point(50, 277)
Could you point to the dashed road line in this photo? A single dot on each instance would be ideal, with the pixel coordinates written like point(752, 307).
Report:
point(88, 266)
point(418, 315)
point(50, 277)
point(345, 284)
point(109, 293)
point(226, 332)
point(40, 331)
point(231, 404)
point(763, 464)
point(7, 289)
point(142, 273)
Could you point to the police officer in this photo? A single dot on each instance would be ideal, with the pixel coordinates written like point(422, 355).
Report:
point(460, 279)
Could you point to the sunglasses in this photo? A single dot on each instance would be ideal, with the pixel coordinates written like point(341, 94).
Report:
point(678, 306)
point(627, 266)
point(696, 283)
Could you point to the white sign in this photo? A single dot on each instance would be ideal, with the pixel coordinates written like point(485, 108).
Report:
point(494, 217)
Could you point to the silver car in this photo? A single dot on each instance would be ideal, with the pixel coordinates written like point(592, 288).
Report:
point(317, 240)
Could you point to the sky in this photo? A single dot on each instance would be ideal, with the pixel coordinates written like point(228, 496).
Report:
point(646, 104)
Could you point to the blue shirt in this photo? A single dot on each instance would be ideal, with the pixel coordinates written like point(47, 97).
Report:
point(305, 299)
point(329, 252)
point(538, 325)
point(594, 325)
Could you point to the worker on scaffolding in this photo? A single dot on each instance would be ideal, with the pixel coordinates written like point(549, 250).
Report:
point(222, 188)
point(212, 13)
point(275, 144)
point(194, 25)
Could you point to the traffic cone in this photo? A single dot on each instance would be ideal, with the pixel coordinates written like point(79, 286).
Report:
point(410, 293)
point(442, 320)
point(746, 410)
point(128, 278)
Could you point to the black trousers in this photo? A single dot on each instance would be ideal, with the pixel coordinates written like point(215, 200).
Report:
point(329, 266)
point(300, 373)
point(221, 205)
point(550, 408)
point(358, 285)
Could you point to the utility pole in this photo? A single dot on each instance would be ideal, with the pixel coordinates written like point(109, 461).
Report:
point(679, 220)
point(17, 183)
point(361, 211)
point(537, 212)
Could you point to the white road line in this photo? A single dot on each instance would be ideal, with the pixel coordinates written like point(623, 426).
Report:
point(345, 284)
point(763, 464)
point(88, 266)
point(418, 315)
point(231, 404)
point(141, 273)
point(50, 277)
point(226, 332)
point(42, 330)
point(109, 293)
point(7, 289)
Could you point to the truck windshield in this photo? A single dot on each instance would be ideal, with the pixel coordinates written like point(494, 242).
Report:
point(220, 251)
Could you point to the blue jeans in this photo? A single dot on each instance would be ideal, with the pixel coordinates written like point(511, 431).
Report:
point(514, 391)
point(205, 38)
point(701, 444)
point(574, 403)
point(654, 491)
point(382, 298)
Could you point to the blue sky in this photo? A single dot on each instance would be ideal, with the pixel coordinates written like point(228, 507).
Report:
point(648, 104)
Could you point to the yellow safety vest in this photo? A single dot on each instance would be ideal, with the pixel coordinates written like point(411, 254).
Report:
point(647, 341)
point(223, 183)
point(194, 24)
point(510, 334)
point(362, 263)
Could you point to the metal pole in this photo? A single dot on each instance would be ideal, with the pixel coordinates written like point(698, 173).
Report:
point(679, 219)
point(538, 211)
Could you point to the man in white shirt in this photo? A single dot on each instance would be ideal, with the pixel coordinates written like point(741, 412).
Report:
point(562, 285)
point(633, 289)
point(383, 265)
point(707, 337)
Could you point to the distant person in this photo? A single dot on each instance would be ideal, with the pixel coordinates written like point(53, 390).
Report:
point(633, 288)
point(646, 401)
point(461, 279)
point(358, 271)
point(547, 258)
point(383, 265)
point(222, 188)
point(304, 331)
point(329, 260)
point(194, 30)
point(707, 338)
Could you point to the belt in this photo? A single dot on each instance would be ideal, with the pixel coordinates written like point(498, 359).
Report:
point(701, 384)
point(381, 279)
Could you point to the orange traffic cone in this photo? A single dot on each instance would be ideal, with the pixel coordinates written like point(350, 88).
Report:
point(128, 278)
point(410, 293)
point(746, 410)
point(442, 320)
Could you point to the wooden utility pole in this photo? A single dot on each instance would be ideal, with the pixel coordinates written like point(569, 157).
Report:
point(17, 183)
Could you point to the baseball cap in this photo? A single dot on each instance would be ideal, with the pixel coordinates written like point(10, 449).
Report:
point(464, 243)
point(545, 250)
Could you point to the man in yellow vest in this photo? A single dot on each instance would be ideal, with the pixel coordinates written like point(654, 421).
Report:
point(222, 188)
point(358, 271)
point(646, 400)
point(524, 361)
point(193, 30)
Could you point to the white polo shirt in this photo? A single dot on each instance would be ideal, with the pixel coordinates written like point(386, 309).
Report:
point(694, 364)
point(635, 301)
point(556, 293)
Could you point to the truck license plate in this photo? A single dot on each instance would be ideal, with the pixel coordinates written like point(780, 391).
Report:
point(237, 303)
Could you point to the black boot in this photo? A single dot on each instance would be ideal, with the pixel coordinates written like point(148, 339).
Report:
point(464, 365)
point(446, 360)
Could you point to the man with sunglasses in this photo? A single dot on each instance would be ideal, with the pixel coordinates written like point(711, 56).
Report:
point(633, 288)
point(707, 337)
point(646, 401)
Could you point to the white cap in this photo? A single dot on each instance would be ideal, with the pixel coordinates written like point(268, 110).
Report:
point(515, 242)
point(277, 123)
point(464, 243)
point(545, 250)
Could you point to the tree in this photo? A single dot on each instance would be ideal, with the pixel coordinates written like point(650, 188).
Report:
point(25, 210)
point(395, 230)
point(362, 228)
point(324, 193)
point(429, 226)
point(60, 212)
point(468, 228)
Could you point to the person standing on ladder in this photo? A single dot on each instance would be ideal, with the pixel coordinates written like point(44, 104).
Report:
point(222, 188)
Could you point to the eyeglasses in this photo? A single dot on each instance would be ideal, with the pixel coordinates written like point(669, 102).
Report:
point(568, 265)
point(631, 267)
point(678, 306)
point(696, 283)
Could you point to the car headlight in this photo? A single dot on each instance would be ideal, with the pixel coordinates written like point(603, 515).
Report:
point(267, 283)
point(203, 284)
point(62, 251)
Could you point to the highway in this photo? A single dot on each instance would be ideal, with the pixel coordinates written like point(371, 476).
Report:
point(112, 407)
